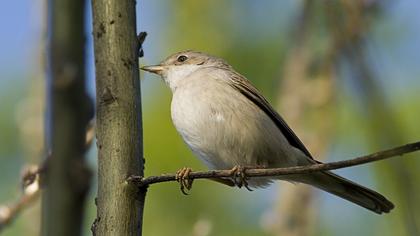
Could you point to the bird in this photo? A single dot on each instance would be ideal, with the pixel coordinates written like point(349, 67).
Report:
point(228, 124)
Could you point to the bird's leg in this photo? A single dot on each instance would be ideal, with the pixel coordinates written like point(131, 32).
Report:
point(239, 177)
point(182, 176)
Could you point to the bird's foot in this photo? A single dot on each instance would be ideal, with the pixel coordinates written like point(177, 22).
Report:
point(239, 177)
point(183, 178)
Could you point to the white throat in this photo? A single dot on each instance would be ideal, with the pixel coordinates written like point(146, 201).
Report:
point(176, 74)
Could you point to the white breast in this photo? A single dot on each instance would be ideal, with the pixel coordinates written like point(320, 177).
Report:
point(223, 128)
point(218, 117)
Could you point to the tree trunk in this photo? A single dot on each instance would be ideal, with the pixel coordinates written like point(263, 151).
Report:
point(66, 177)
point(119, 127)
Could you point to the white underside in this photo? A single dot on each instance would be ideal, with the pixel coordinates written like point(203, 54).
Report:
point(223, 128)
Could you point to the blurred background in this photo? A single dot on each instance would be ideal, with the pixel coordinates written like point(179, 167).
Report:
point(344, 74)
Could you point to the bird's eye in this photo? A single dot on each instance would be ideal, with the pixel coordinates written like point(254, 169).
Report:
point(182, 58)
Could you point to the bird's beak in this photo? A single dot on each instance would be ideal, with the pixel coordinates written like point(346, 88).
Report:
point(156, 69)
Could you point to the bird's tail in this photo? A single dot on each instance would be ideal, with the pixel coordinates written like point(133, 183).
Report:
point(348, 190)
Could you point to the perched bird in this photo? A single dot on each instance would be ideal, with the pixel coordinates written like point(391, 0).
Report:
point(227, 123)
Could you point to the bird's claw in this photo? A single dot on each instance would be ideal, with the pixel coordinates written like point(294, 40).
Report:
point(182, 176)
point(239, 177)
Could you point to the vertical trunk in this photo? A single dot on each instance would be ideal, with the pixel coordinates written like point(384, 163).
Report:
point(296, 203)
point(308, 97)
point(119, 127)
point(67, 177)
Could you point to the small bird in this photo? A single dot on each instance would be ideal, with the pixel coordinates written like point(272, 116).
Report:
point(228, 124)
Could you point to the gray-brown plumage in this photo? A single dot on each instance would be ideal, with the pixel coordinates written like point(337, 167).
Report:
point(227, 122)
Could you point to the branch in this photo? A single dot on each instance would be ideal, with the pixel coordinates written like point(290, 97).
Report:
point(118, 117)
point(67, 177)
point(381, 155)
point(31, 182)
point(31, 187)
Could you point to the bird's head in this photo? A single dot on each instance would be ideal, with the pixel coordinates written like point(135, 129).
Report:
point(180, 65)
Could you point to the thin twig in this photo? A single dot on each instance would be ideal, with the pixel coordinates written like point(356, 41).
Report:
point(397, 151)
point(31, 181)
point(31, 187)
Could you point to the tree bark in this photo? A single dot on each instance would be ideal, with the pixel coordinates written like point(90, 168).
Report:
point(66, 177)
point(119, 127)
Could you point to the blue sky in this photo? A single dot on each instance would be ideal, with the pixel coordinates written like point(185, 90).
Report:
point(21, 21)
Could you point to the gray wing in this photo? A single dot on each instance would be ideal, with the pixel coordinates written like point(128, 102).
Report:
point(249, 91)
